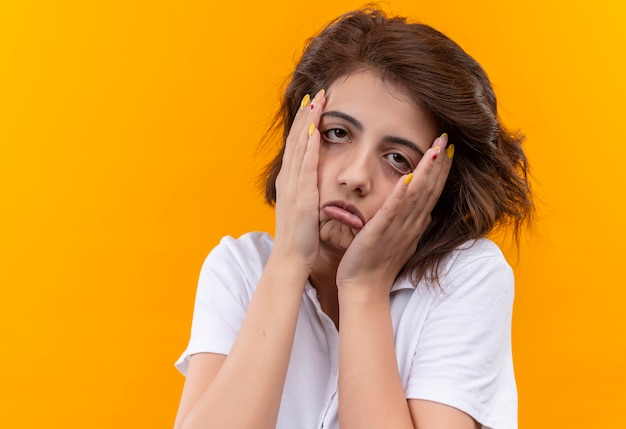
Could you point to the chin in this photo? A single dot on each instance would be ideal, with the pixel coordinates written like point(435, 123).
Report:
point(336, 235)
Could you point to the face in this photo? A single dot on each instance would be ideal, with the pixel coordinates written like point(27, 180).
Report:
point(372, 135)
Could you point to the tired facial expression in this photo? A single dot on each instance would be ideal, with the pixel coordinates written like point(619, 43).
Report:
point(372, 135)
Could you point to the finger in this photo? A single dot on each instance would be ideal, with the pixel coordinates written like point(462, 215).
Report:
point(390, 210)
point(443, 163)
point(294, 132)
point(413, 187)
point(307, 180)
point(307, 131)
point(414, 195)
point(431, 173)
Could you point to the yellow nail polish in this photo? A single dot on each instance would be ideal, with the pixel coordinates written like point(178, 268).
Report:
point(408, 178)
point(450, 151)
point(311, 130)
point(323, 92)
point(305, 101)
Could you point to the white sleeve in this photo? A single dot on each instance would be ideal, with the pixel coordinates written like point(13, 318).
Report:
point(227, 280)
point(463, 357)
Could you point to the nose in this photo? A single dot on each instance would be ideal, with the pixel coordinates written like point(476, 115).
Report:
point(358, 169)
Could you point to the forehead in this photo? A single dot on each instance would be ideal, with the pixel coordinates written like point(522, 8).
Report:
point(381, 107)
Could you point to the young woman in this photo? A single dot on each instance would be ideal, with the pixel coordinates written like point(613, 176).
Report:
point(379, 303)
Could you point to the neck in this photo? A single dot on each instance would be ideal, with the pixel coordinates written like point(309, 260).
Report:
point(323, 278)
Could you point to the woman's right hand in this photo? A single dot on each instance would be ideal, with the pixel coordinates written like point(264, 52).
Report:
point(297, 195)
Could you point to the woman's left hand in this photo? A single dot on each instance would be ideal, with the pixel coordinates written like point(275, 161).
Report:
point(387, 241)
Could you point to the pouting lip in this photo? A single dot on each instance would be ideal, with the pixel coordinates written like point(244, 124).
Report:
point(347, 207)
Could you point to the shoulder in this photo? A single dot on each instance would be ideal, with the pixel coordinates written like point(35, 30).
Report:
point(476, 250)
point(248, 250)
point(227, 281)
point(251, 242)
point(462, 355)
point(474, 274)
point(236, 261)
point(477, 265)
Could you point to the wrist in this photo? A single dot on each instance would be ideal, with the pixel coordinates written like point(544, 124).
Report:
point(364, 294)
point(372, 284)
point(288, 268)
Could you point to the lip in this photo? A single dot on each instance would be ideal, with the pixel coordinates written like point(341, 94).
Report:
point(350, 208)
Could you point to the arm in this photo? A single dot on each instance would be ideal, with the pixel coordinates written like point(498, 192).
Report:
point(370, 391)
point(201, 370)
point(463, 361)
point(371, 394)
point(464, 354)
point(244, 389)
point(370, 386)
point(433, 415)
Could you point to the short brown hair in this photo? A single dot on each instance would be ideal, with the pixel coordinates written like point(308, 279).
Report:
point(488, 184)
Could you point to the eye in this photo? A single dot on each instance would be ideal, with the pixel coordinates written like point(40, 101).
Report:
point(336, 135)
point(399, 162)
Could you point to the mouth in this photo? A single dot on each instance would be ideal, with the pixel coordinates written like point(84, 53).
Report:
point(345, 213)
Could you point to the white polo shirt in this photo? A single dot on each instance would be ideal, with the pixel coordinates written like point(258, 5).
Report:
point(452, 347)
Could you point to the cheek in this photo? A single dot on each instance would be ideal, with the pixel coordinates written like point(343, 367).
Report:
point(383, 188)
point(377, 202)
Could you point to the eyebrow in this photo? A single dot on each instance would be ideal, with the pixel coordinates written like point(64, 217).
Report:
point(359, 126)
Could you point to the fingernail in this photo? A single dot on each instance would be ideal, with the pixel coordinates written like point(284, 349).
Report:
point(311, 130)
point(408, 178)
point(450, 151)
point(437, 151)
point(322, 92)
point(305, 101)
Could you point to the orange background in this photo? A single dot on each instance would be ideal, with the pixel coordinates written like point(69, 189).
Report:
point(128, 147)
